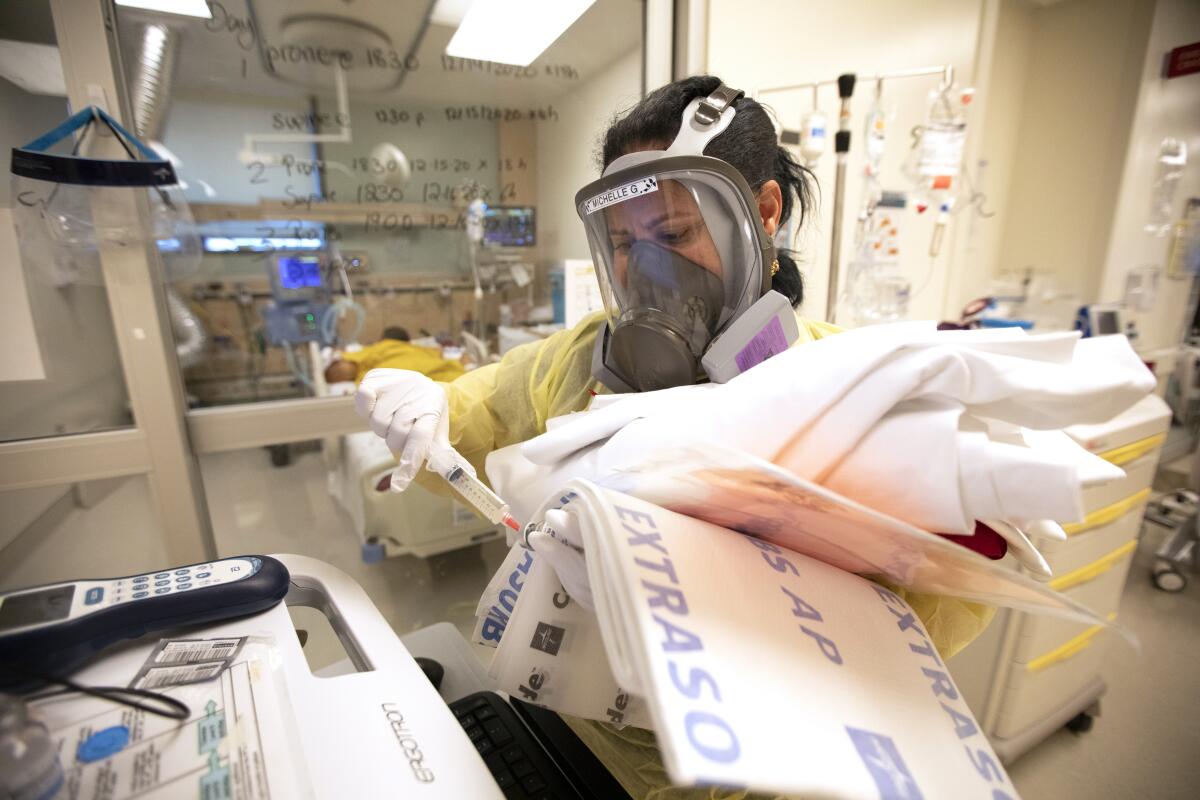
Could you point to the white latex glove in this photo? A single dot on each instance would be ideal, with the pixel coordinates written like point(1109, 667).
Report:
point(409, 412)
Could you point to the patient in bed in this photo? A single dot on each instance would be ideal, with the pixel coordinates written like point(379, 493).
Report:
point(394, 350)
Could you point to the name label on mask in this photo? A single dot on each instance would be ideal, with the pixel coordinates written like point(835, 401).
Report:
point(620, 194)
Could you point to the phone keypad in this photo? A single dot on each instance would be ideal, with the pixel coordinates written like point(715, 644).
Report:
point(153, 584)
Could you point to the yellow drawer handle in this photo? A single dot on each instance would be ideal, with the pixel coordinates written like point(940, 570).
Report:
point(1070, 648)
point(1103, 516)
point(1128, 452)
point(1093, 570)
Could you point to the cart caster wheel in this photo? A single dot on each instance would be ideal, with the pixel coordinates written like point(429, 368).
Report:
point(1169, 579)
point(281, 455)
point(1081, 723)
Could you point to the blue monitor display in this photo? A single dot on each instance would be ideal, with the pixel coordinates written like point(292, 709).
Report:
point(299, 272)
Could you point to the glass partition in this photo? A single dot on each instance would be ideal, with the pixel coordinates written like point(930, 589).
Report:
point(352, 182)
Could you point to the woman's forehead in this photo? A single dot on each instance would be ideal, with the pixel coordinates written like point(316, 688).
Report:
point(671, 199)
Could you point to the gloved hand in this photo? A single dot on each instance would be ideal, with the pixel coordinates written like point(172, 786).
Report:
point(409, 412)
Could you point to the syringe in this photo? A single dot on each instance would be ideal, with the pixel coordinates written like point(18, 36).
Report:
point(448, 463)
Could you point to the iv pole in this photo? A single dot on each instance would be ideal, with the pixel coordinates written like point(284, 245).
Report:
point(841, 146)
point(845, 84)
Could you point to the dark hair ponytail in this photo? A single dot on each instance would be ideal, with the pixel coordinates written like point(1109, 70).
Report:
point(749, 144)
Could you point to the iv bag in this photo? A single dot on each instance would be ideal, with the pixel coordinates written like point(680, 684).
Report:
point(936, 158)
point(813, 129)
point(1168, 169)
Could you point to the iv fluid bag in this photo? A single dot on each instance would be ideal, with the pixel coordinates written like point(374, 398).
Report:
point(812, 137)
point(1172, 158)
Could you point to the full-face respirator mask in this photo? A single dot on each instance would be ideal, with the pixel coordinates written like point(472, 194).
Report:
point(683, 262)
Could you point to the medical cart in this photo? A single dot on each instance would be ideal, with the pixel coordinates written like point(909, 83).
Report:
point(1029, 675)
point(264, 725)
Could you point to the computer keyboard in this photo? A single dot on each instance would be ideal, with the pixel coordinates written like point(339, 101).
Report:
point(517, 761)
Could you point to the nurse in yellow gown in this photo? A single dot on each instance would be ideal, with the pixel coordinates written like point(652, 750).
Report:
point(509, 402)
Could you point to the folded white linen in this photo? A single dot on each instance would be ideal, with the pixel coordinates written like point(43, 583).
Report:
point(920, 424)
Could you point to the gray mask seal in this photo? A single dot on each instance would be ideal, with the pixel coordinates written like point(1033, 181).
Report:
point(674, 306)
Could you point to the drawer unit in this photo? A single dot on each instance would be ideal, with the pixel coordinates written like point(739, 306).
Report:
point(1100, 591)
point(1102, 516)
point(1033, 691)
point(1091, 545)
point(1139, 475)
point(1050, 669)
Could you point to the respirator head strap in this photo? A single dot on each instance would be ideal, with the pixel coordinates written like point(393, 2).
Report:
point(704, 119)
point(711, 107)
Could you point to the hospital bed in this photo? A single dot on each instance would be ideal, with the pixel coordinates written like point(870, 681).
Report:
point(417, 522)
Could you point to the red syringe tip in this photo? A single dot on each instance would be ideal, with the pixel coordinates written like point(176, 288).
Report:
point(512, 523)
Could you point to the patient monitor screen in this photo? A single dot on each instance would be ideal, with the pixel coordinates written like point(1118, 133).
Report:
point(299, 272)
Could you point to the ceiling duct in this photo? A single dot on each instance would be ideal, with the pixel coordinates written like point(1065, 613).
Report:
point(150, 94)
point(152, 74)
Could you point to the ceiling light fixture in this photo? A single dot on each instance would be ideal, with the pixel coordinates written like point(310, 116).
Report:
point(513, 31)
point(184, 8)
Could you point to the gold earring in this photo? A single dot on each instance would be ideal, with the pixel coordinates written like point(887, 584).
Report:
point(775, 268)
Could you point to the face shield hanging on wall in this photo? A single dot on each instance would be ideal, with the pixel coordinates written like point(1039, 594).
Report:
point(68, 207)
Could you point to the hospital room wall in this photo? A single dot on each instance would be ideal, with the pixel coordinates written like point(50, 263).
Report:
point(1165, 108)
point(793, 41)
point(567, 150)
point(994, 132)
point(1084, 62)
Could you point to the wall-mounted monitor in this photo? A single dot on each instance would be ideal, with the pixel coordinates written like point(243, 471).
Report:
point(298, 278)
point(299, 272)
point(509, 226)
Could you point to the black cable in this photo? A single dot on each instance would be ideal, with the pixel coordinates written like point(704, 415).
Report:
point(173, 709)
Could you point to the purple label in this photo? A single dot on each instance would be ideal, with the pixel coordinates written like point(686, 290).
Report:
point(768, 342)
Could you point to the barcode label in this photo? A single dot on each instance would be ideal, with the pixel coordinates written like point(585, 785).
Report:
point(176, 661)
point(159, 677)
point(186, 651)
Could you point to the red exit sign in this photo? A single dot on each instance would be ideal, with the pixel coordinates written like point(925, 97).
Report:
point(1183, 60)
